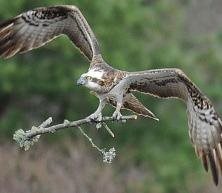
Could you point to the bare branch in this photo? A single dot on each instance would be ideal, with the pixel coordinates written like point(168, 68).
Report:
point(27, 138)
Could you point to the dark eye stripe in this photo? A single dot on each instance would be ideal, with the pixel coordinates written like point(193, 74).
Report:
point(96, 80)
point(101, 83)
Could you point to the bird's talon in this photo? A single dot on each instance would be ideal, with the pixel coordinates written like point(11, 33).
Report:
point(117, 115)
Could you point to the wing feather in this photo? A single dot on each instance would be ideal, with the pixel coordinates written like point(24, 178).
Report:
point(35, 28)
point(205, 162)
point(219, 155)
point(213, 166)
point(205, 127)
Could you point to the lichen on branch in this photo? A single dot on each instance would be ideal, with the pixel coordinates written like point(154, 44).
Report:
point(28, 138)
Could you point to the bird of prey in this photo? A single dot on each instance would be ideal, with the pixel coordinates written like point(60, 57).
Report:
point(35, 28)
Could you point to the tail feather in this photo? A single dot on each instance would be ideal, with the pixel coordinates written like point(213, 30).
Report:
point(133, 104)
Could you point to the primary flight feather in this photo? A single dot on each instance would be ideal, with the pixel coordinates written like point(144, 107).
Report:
point(34, 28)
point(37, 27)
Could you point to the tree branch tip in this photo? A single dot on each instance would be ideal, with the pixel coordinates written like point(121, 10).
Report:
point(98, 126)
point(21, 137)
point(66, 122)
point(135, 117)
point(123, 120)
point(108, 130)
point(46, 123)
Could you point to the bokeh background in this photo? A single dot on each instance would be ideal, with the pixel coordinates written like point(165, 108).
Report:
point(152, 157)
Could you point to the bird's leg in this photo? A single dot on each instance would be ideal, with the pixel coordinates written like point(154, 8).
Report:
point(97, 115)
point(119, 102)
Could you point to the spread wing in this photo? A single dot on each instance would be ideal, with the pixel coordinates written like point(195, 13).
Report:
point(205, 126)
point(35, 28)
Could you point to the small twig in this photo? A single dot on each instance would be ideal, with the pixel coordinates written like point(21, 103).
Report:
point(108, 129)
point(90, 140)
point(108, 156)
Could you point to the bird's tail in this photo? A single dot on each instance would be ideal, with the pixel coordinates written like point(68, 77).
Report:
point(133, 104)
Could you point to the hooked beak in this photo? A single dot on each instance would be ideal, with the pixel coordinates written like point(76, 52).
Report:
point(81, 81)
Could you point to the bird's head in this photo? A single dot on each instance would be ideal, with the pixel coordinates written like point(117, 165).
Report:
point(92, 80)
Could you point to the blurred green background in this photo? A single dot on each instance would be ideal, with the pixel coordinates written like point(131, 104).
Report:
point(152, 157)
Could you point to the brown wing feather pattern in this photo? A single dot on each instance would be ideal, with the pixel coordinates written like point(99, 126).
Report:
point(33, 29)
point(205, 126)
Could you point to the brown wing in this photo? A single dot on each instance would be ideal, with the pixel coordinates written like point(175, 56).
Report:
point(33, 29)
point(205, 126)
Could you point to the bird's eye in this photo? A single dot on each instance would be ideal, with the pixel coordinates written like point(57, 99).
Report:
point(89, 78)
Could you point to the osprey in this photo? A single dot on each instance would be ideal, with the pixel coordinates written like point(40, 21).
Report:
point(34, 28)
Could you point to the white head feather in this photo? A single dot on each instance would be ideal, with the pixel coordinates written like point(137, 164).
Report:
point(95, 73)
